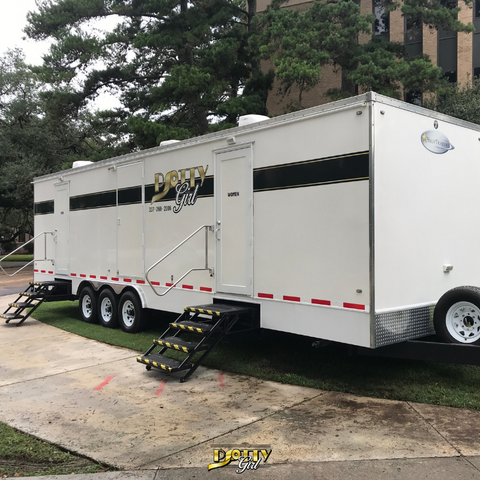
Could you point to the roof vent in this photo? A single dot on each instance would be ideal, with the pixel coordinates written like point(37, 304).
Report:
point(168, 142)
point(252, 118)
point(81, 163)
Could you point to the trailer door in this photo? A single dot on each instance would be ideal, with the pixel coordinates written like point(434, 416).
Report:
point(130, 201)
point(234, 221)
point(61, 220)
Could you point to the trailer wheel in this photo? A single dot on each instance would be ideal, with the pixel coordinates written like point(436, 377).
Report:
point(107, 309)
point(130, 313)
point(88, 305)
point(457, 315)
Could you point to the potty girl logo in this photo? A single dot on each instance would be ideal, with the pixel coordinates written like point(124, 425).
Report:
point(185, 182)
point(436, 142)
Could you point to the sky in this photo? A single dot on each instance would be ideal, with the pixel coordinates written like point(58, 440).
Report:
point(12, 22)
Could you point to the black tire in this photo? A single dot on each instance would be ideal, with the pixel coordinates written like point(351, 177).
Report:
point(87, 301)
point(130, 313)
point(457, 316)
point(108, 309)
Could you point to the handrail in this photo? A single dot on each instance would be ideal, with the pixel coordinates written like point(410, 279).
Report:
point(19, 248)
point(207, 229)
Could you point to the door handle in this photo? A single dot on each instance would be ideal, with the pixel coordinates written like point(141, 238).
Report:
point(217, 230)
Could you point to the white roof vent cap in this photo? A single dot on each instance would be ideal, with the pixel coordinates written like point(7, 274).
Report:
point(251, 118)
point(81, 163)
point(168, 142)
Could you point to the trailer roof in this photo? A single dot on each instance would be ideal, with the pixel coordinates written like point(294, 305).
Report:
point(352, 102)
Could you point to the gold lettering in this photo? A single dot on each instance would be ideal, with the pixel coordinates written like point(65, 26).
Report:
point(266, 454)
point(202, 173)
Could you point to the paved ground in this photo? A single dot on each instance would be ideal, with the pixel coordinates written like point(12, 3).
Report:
point(96, 400)
point(12, 285)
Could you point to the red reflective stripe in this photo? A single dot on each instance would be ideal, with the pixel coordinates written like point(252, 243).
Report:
point(83, 275)
point(155, 283)
point(265, 295)
point(103, 278)
point(115, 279)
point(354, 305)
point(141, 281)
point(291, 299)
point(188, 287)
point(93, 276)
point(73, 274)
point(51, 273)
point(43, 271)
point(169, 284)
point(35, 270)
point(205, 289)
point(128, 280)
point(321, 302)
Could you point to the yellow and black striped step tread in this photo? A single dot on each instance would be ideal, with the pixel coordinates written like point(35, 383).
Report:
point(10, 316)
point(217, 309)
point(162, 362)
point(21, 305)
point(205, 311)
point(49, 283)
point(177, 343)
point(29, 294)
point(194, 327)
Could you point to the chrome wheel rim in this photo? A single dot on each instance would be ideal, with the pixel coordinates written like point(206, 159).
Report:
point(87, 306)
point(106, 310)
point(463, 322)
point(128, 313)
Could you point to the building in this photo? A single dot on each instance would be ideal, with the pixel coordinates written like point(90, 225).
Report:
point(458, 54)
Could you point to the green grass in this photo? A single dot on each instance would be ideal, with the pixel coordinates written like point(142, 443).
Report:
point(23, 455)
point(18, 258)
point(291, 359)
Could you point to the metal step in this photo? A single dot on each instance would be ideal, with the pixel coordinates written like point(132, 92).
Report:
point(33, 295)
point(22, 305)
point(217, 309)
point(50, 283)
point(164, 363)
point(10, 316)
point(195, 327)
point(179, 344)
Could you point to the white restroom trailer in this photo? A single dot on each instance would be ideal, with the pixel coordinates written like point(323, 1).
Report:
point(346, 222)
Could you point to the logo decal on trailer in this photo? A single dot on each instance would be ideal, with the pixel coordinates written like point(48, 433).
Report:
point(186, 186)
point(436, 142)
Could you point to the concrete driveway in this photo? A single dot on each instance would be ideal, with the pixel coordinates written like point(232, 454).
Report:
point(96, 400)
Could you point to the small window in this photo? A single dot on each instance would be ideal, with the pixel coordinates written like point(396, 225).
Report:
point(414, 37)
point(381, 27)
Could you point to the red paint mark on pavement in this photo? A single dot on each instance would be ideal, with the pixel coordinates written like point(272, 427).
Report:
point(220, 379)
point(160, 390)
point(103, 383)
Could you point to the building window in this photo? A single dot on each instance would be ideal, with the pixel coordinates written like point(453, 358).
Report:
point(476, 40)
point(414, 37)
point(447, 49)
point(381, 28)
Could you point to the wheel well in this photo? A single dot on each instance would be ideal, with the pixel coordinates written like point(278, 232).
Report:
point(83, 285)
point(140, 295)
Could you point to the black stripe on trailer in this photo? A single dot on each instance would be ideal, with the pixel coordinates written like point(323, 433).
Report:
point(44, 208)
point(320, 171)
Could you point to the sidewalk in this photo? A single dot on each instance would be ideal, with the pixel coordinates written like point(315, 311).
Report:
point(96, 400)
